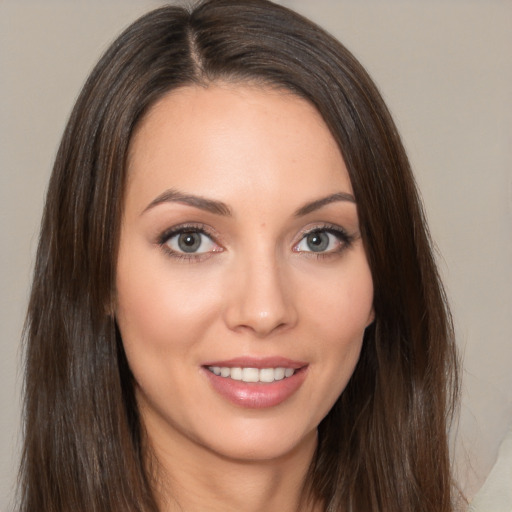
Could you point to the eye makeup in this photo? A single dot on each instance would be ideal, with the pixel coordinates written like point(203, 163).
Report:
point(189, 242)
point(324, 240)
point(195, 242)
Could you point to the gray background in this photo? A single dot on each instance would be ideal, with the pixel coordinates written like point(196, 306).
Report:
point(445, 69)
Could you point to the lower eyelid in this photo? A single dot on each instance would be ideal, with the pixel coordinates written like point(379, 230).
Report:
point(163, 242)
point(343, 241)
point(343, 238)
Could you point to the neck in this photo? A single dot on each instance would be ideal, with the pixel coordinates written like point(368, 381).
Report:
point(190, 478)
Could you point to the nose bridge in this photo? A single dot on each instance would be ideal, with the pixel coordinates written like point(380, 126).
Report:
point(260, 300)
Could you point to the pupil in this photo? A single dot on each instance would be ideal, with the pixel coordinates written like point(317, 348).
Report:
point(318, 241)
point(189, 242)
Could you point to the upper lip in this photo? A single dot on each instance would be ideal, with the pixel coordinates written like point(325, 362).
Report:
point(258, 362)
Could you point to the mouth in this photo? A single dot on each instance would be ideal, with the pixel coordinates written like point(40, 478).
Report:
point(248, 374)
point(256, 383)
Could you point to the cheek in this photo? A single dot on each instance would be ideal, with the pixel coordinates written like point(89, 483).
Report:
point(339, 310)
point(157, 305)
point(340, 304)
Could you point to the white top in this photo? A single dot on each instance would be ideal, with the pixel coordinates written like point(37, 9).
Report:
point(496, 493)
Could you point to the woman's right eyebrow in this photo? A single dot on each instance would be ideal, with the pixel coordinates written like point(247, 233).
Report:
point(175, 196)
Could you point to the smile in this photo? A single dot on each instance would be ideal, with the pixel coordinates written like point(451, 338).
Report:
point(266, 375)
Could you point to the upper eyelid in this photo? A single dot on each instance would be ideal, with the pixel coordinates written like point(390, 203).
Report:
point(165, 237)
point(181, 228)
point(322, 227)
point(211, 233)
point(345, 237)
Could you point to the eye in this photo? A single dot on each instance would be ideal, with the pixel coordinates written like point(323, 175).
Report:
point(188, 242)
point(324, 240)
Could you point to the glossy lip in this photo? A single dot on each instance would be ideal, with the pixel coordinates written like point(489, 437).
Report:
point(257, 395)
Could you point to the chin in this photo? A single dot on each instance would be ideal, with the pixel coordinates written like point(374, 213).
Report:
point(261, 444)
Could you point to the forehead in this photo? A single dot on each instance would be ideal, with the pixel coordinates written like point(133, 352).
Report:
point(226, 139)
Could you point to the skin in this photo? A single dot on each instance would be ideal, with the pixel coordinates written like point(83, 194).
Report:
point(255, 288)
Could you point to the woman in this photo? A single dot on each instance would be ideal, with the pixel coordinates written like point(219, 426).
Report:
point(235, 304)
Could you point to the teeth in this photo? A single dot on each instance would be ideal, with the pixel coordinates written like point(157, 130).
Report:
point(279, 373)
point(266, 375)
point(252, 374)
point(236, 373)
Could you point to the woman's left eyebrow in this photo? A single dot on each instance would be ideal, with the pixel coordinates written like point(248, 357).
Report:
point(319, 203)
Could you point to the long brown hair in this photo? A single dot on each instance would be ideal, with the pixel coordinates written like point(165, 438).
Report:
point(383, 446)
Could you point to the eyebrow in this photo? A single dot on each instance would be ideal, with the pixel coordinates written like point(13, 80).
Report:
point(319, 203)
point(174, 196)
point(220, 208)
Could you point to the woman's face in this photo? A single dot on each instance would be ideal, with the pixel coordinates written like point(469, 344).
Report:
point(243, 289)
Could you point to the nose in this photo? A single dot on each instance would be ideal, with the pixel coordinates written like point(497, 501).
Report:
point(261, 298)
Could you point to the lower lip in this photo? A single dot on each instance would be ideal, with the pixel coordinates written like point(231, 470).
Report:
point(257, 395)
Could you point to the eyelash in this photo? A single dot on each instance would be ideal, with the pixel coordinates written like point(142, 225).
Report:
point(167, 235)
point(345, 239)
